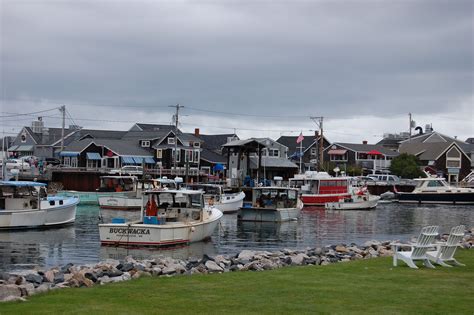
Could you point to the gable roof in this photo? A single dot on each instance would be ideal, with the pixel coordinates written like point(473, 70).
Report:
point(308, 142)
point(215, 142)
point(103, 134)
point(151, 127)
point(432, 137)
point(212, 157)
point(429, 151)
point(364, 148)
point(120, 147)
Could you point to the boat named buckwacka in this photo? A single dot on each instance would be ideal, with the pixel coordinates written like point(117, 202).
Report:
point(168, 217)
point(436, 190)
point(25, 204)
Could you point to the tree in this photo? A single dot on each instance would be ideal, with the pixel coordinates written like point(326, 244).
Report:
point(406, 166)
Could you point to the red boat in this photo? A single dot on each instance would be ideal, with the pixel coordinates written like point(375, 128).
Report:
point(317, 188)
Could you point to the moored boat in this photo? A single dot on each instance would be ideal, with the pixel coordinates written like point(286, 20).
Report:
point(168, 217)
point(361, 199)
point(25, 205)
point(272, 204)
point(318, 188)
point(214, 195)
point(437, 191)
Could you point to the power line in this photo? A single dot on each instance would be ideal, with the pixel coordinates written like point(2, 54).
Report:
point(32, 113)
point(243, 114)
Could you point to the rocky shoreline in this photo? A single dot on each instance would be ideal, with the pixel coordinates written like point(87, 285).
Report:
point(18, 286)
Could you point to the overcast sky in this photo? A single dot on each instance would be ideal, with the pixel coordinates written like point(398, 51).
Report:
point(261, 67)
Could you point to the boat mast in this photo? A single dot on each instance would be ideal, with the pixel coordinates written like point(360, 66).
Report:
point(62, 109)
point(176, 122)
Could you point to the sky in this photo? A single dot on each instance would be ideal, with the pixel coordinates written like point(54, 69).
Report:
point(259, 68)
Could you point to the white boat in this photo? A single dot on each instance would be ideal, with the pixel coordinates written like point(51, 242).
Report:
point(132, 200)
point(436, 190)
point(359, 200)
point(168, 217)
point(24, 205)
point(214, 195)
point(272, 204)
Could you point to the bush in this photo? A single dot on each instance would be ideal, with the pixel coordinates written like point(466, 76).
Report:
point(406, 166)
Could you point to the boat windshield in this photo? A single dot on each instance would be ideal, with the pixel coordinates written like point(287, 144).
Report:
point(437, 183)
point(208, 190)
point(17, 192)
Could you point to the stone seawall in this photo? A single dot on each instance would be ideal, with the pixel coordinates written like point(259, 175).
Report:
point(18, 286)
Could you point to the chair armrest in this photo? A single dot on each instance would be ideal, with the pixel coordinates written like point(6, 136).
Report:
point(395, 246)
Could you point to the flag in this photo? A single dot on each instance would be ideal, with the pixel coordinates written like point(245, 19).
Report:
point(300, 138)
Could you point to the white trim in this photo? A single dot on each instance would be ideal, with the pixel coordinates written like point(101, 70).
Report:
point(434, 133)
point(459, 149)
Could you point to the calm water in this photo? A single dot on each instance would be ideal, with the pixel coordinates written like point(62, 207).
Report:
point(79, 243)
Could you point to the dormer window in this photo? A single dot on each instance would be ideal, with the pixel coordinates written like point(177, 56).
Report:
point(145, 144)
point(197, 144)
point(171, 140)
point(23, 138)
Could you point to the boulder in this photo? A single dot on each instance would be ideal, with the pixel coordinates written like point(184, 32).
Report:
point(44, 287)
point(9, 290)
point(13, 298)
point(34, 278)
point(341, 249)
point(245, 256)
point(27, 289)
point(213, 267)
point(298, 259)
point(49, 276)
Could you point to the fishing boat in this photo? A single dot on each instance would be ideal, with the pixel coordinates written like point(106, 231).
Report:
point(215, 195)
point(272, 204)
point(436, 190)
point(168, 217)
point(132, 199)
point(361, 199)
point(25, 204)
point(318, 188)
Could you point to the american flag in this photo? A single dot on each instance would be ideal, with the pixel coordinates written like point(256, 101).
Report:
point(300, 138)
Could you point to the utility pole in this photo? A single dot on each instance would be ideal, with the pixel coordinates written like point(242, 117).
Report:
point(62, 109)
point(319, 123)
point(176, 122)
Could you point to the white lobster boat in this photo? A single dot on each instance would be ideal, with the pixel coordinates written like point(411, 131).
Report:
point(355, 202)
point(214, 195)
point(272, 204)
point(24, 205)
point(168, 217)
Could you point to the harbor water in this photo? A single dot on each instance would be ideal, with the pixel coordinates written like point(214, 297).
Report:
point(79, 243)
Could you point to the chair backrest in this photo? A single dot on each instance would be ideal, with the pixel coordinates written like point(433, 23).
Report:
point(455, 236)
point(425, 241)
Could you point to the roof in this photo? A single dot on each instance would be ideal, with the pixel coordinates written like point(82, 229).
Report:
point(212, 157)
point(215, 142)
point(427, 151)
point(272, 162)
point(154, 127)
point(95, 133)
point(120, 147)
point(360, 147)
point(240, 143)
point(53, 135)
point(432, 137)
point(146, 135)
point(308, 142)
point(20, 183)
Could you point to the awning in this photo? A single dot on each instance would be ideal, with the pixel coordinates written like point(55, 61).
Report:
point(68, 153)
point(337, 152)
point(25, 148)
point(374, 152)
point(138, 159)
point(128, 160)
point(13, 148)
point(93, 156)
point(149, 160)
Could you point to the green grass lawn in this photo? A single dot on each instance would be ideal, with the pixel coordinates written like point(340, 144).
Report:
point(364, 286)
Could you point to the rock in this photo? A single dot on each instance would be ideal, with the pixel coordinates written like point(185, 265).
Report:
point(126, 276)
point(49, 276)
point(125, 267)
point(156, 271)
point(27, 289)
point(13, 298)
point(9, 290)
point(168, 270)
point(213, 267)
point(4, 276)
point(90, 276)
point(44, 287)
point(104, 280)
point(65, 269)
point(58, 278)
point(113, 273)
point(298, 259)
point(372, 243)
point(267, 264)
point(34, 278)
point(220, 259)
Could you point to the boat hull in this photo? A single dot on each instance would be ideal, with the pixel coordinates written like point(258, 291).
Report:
point(371, 203)
point(321, 200)
point(267, 214)
point(88, 197)
point(437, 198)
point(120, 203)
point(231, 203)
point(52, 213)
point(171, 233)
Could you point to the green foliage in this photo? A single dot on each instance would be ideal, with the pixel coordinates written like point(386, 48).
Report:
point(354, 170)
point(406, 166)
point(360, 287)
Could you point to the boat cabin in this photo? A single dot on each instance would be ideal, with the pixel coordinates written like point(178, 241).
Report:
point(117, 183)
point(167, 206)
point(21, 195)
point(274, 197)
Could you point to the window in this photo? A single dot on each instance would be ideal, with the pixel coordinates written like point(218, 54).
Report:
point(23, 138)
point(206, 169)
point(274, 152)
point(67, 161)
point(189, 155)
point(197, 144)
point(178, 155)
point(145, 144)
point(314, 151)
point(159, 153)
point(453, 158)
point(74, 161)
point(338, 157)
point(171, 140)
point(196, 156)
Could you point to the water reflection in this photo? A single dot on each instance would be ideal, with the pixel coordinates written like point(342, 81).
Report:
point(79, 243)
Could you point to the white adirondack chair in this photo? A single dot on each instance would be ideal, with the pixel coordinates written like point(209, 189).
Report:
point(418, 250)
point(445, 251)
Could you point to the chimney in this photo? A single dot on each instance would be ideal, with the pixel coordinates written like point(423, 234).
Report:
point(364, 142)
point(196, 132)
point(316, 134)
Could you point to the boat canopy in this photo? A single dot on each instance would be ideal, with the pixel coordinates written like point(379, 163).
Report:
point(174, 191)
point(21, 183)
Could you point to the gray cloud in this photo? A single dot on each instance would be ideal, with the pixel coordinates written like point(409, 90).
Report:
point(339, 59)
